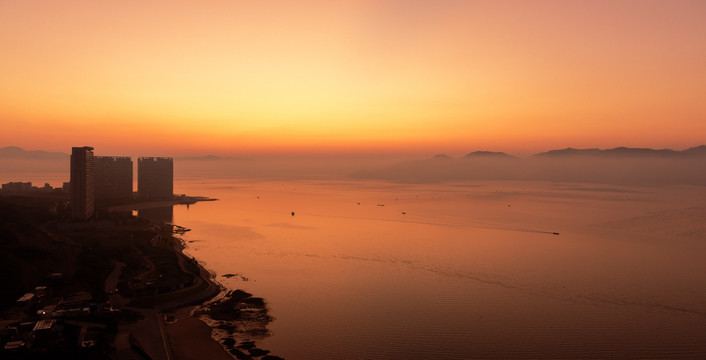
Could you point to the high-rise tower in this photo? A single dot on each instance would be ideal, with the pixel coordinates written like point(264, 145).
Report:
point(113, 179)
point(155, 177)
point(82, 182)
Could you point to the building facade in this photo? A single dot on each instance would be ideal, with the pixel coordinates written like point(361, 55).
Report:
point(82, 183)
point(113, 177)
point(155, 177)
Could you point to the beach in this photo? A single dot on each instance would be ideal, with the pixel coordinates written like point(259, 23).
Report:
point(190, 338)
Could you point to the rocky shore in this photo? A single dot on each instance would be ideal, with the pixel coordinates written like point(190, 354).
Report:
point(191, 315)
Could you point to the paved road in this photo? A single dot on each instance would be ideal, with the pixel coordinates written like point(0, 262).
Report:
point(111, 284)
point(165, 341)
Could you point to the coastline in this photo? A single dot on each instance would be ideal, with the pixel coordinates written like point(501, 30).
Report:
point(168, 328)
point(206, 324)
point(173, 329)
point(135, 269)
point(188, 336)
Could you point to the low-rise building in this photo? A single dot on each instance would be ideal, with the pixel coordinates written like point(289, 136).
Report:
point(17, 186)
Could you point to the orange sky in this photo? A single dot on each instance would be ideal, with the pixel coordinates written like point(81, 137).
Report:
point(427, 76)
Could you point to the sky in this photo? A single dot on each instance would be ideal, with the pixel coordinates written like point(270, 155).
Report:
point(233, 77)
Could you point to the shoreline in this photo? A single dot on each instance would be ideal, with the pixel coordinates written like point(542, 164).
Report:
point(196, 331)
point(169, 328)
point(188, 336)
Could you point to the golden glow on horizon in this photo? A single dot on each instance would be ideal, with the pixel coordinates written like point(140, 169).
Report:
point(421, 75)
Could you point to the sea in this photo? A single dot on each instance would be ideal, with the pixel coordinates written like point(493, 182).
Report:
point(366, 269)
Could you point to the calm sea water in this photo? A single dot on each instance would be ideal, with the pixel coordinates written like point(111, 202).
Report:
point(377, 270)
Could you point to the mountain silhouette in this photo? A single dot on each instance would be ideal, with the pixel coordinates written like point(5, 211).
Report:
point(621, 152)
point(695, 151)
point(211, 158)
point(621, 165)
point(441, 157)
point(15, 152)
point(488, 154)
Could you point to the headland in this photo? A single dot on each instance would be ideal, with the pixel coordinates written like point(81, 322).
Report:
point(124, 290)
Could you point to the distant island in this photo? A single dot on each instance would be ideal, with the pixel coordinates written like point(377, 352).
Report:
point(621, 165)
point(595, 152)
point(626, 152)
point(493, 154)
point(16, 152)
point(213, 158)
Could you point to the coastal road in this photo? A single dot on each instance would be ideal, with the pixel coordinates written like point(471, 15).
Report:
point(165, 341)
point(111, 284)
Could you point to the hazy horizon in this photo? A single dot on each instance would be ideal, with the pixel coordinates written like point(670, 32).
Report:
point(622, 166)
point(180, 155)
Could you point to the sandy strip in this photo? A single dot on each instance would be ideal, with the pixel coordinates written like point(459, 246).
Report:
point(190, 338)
